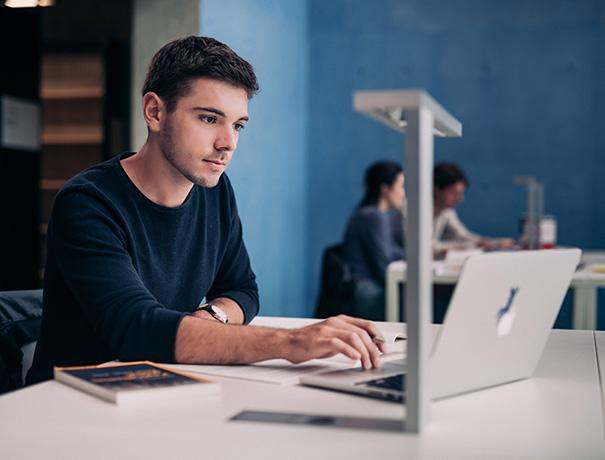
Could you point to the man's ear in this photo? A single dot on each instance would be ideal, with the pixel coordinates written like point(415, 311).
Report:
point(154, 111)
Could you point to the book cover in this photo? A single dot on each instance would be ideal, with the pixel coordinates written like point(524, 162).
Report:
point(141, 380)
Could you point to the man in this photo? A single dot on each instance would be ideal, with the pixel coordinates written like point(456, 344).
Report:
point(135, 243)
point(449, 185)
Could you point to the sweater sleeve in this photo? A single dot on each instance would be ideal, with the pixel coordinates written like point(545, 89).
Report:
point(449, 232)
point(90, 249)
point(235, 278)
point(458, 230)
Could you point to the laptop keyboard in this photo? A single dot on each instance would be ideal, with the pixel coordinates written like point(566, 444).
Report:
point(394, 382)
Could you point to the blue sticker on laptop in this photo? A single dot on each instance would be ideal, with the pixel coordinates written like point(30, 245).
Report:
point(506, 315)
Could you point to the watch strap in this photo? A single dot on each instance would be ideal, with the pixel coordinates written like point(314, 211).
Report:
point(212, 310)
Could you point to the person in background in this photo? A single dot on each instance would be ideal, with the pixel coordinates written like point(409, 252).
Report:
point(450, 184)
point(369, 243)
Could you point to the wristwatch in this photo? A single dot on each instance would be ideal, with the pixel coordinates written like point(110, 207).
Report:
point(216, 312)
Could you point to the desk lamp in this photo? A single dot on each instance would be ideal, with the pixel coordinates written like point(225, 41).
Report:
point(535, 209)
point(420, 117)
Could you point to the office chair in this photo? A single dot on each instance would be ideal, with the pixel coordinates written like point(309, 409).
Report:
point(336, 288)
point(20, 317)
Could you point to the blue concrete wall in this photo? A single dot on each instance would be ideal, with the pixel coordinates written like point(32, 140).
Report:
point(526, 78)
point(269, 168)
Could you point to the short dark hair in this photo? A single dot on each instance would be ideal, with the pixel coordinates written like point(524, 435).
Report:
point(378, 174)
point(182, 60)
point(446, 174)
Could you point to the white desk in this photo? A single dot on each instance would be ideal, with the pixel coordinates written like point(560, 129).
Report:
point(584, 282)
point(555, 415)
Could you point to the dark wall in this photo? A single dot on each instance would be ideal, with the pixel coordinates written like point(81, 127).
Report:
point(100, 26)
point(19, 170)
point(87, 21)
point(24, 34)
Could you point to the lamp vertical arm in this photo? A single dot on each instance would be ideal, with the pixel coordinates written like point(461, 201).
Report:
point(418, 306)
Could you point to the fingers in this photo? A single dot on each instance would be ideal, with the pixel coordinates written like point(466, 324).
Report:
point(365, 348)
point(380, 343)
point(359, 338)
point(353, 337)
point(340, 346)
point(369, 327)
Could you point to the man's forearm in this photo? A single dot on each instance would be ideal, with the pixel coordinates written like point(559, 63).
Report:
point(207, 341)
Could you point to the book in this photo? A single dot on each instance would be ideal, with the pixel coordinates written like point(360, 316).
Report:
point(134, 381)
point(394, 337)
point(396, 345)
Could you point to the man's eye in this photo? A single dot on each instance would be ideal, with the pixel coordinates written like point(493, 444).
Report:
point(239, 126)
point(208, 119)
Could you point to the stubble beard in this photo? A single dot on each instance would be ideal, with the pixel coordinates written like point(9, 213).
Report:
point(168, 150)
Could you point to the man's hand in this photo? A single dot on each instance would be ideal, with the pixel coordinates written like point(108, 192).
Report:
point(353, 337)
point(203, 341)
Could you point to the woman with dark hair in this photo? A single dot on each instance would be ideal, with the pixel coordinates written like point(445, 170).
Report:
point(369, 242)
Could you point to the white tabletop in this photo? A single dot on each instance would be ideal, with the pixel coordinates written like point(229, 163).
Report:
point(556, 414)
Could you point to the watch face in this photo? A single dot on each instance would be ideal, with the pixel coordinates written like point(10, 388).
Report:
point(218, 313)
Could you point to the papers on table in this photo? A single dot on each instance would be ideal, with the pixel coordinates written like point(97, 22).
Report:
point(277, 371)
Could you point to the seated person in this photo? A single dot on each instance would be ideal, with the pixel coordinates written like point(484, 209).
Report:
point(449, 185)
point(369, 243)
point(135, 243)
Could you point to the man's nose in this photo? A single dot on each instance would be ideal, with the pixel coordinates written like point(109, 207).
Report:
point(226, 140)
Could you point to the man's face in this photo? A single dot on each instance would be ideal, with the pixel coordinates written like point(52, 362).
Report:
point(199, 137)
point(450, 196)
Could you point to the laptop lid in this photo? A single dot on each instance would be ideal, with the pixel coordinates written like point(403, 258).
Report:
point(499, 319)
point(500, 316)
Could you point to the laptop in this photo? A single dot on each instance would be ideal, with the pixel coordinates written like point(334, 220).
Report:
point(495, 330)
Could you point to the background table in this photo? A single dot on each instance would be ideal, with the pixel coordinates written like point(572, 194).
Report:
point(584, 282)
point(555, 415)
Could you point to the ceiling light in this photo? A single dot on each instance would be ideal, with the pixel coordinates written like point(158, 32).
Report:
point(28, 3)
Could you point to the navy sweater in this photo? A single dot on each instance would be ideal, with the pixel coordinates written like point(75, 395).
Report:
point(122, 271)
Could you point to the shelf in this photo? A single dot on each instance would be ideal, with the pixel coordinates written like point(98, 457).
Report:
point(51, 184)
point(72, 134)
point(72, 75)
point(73, 97)
point(72, 93)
